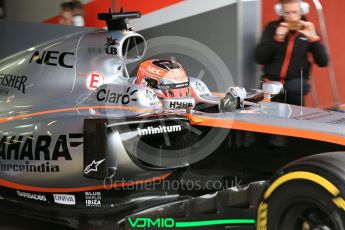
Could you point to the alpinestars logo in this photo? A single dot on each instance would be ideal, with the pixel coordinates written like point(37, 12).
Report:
point(160, 129)
point(93, 166)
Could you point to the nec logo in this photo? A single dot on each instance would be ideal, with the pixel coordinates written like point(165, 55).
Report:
point(154, 70)
point(53, 58)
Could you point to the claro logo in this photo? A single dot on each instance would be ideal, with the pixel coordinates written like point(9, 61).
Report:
point(115, 97)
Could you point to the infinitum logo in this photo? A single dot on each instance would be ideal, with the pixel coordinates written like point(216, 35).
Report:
point(158, 130)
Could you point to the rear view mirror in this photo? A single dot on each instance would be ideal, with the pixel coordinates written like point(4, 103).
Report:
point(271, 88)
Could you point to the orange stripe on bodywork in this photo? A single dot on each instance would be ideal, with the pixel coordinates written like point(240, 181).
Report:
point(270, 129)
point(12, 118)
point(13, 185)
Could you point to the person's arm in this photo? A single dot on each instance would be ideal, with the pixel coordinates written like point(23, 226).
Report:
point(319, 53)
point(316, 48)
point(266, 49)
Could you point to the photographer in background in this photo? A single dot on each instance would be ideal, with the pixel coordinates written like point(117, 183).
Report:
point(66, 13)
point(284, 47)
point(78, 18)
point(72, 13)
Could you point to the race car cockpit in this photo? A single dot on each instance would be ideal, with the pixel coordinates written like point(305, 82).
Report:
point(169, 81)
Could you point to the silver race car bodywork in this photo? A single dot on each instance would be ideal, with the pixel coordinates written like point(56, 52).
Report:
point(65, 65)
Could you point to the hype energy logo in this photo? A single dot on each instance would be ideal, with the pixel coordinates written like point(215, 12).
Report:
point(169, 223)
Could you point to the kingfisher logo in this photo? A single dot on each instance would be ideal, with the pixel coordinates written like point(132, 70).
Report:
point(160, 129)
point(12, 81)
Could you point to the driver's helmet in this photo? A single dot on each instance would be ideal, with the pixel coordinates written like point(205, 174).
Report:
point(167, 78)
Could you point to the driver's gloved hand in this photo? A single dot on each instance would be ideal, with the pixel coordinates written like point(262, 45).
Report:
point(233, 99)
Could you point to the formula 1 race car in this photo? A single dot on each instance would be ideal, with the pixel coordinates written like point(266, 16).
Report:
point(85, 145)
